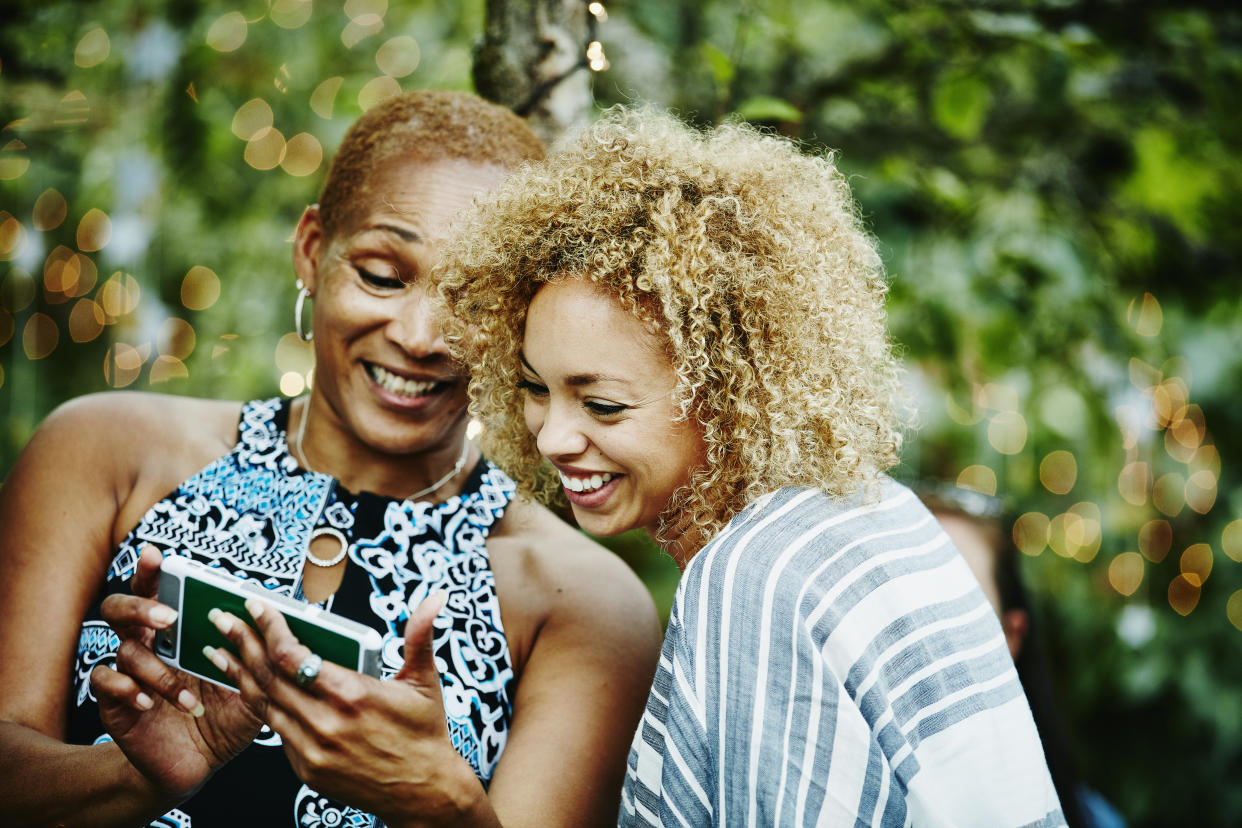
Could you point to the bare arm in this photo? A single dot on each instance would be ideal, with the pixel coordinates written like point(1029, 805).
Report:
point(580, 695)
point(59, 511)
point(384, 746)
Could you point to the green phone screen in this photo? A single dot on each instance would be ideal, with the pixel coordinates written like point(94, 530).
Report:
point(198, 599)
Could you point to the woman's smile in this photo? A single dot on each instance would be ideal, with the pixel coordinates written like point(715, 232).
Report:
point(601, 400)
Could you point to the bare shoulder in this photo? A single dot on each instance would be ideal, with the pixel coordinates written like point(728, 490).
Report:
point(136, 416)
point(134, 447)
point(550, 576)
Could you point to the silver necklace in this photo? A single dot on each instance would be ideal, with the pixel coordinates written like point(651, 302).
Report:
point(453, 472)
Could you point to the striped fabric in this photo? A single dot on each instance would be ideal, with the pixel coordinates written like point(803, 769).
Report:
point(835, 663)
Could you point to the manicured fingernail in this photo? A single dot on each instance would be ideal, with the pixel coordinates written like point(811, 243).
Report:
point(198, 711)
point(221, 619)
point(187, 702)
point(163, 615)
point(255, 607)
point(217, 658)
point(438, 599)
point(144, 701)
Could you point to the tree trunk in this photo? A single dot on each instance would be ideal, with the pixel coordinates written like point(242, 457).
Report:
point(533, 59)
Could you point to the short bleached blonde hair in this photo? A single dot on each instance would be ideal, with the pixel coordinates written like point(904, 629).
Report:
point(744, 253)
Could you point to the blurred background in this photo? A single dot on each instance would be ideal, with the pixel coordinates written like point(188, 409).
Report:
point(1053, 184)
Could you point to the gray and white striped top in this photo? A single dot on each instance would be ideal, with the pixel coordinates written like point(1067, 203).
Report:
point(831, 663)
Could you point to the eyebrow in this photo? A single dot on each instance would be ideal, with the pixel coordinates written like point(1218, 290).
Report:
point(575, 380)
point(401, 232)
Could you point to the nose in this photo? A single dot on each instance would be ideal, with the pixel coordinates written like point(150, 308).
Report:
point(413, 327)
point(557, 435)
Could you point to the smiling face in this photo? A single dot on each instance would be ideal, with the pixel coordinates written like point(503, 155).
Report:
point(384, 381)
point(599, 398)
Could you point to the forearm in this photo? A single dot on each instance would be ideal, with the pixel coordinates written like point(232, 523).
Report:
point(459, 802)
point(44, 781)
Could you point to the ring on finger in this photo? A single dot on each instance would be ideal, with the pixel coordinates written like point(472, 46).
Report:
point(308, 671)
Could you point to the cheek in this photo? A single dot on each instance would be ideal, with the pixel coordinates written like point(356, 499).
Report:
point(533, 413)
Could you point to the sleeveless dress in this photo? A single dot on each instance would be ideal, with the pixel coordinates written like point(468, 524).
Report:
point(252, 513)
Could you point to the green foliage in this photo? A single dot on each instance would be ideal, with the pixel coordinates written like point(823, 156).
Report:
point(1050, 182)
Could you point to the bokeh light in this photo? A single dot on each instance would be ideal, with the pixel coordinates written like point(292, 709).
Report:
point(997, 396)
point(323, 99)
point(49, 211)
point(1134, 482)
point(266, 149)
point(40, 336)
point(360, 28)
point(166, 368)
point(1030, 533)
point(960, 415)
point(1231, 540)
point(119, 296)
point(67, 275)
point(1233, 609)
point(94, 231)
point(227, 33)
point(377, 91)
point(1200, 492)
point(92, 49)
point(1058, 472)
point(176, 339)
point(1125, 573)
point(123, 363)
point(12, 164)
point(86, 320)
point(1168, 399)
point(200, 289)
point(12, 234)
point(1155, 538)
point(303, 155)
point(1007, 432)
point(7, 326)
point(291, 14)
point(1183, 595)
point(1145, 315)
point(1168, 494)
point(293, 355)
point(1144, 377)
point(978, 478)
point(1196, 563)
point(292, 383)
point(251, 118)
point(398, 56)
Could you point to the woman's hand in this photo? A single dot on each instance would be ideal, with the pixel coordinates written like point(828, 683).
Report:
point(175, 729)
point(382, 746)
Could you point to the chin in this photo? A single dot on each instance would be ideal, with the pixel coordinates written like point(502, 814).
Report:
point(600, 528)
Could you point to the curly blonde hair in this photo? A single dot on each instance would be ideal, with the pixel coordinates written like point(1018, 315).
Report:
point(744, 253)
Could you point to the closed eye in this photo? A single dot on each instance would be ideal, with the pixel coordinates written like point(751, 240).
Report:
point(532, 388)
point(603, 409)
point(392, 282)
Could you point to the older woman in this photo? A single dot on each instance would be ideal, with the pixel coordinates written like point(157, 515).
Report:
point(511, 703)
point(696, 328)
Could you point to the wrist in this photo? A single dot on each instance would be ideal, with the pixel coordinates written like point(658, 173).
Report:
point(454, 797)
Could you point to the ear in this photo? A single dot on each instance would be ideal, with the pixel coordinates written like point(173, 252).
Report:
point(309, 243)
point(1015, 623)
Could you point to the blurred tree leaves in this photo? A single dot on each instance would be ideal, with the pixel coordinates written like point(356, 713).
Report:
point(1051, 183)
point(1048, 182)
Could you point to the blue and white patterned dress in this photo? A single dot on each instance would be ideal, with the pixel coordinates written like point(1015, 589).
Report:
point(835, 663)
point(252, 513)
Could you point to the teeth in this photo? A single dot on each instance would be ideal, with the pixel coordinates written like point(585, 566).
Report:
point(585, 484)
point(400, 385)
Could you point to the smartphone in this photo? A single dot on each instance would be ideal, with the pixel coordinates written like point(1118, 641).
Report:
point(193, 589)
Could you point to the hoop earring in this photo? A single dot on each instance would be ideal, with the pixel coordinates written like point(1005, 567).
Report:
point(306, 335)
